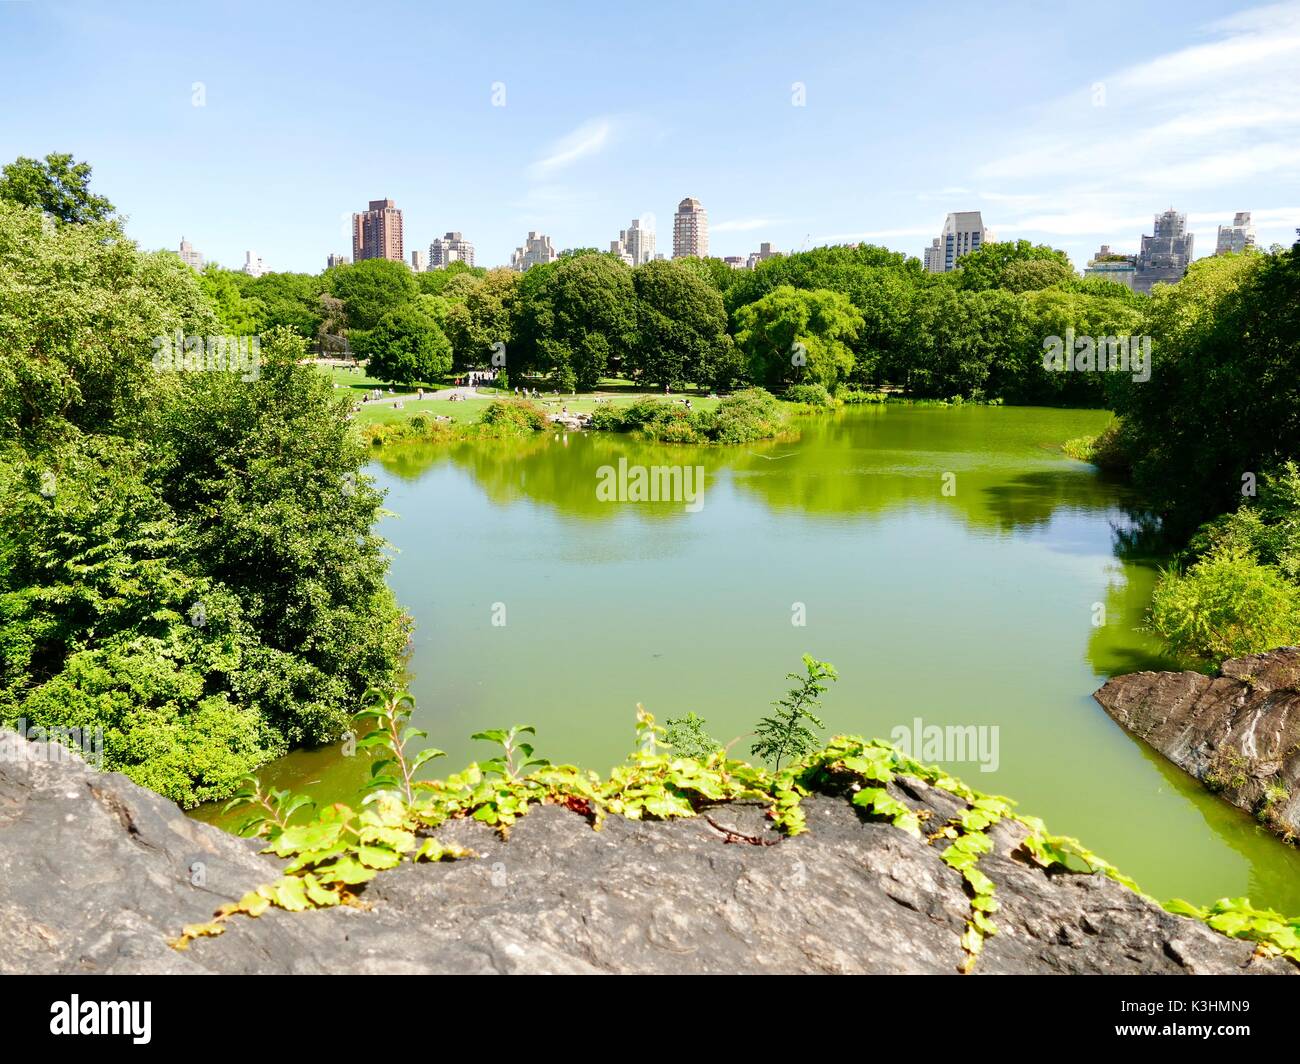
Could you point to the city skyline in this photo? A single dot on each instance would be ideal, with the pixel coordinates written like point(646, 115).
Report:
point(787, 136)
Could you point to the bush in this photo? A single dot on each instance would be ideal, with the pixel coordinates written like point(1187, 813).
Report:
point(809, 395)
point(609, 418)
point(1268, 526)
point(1104, 451)
point(1226, 605)
point(857, 397)
point(521, 415)
point(753, 414)
point(662, 419)
point(679, 430)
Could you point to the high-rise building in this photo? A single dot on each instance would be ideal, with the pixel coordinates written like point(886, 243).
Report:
point(336, 259)
point(253, 265)
point(634, 241)
point(763, 253)
point(1238, 236)
point(737, 262)
point(963, 232)
point(419, 261)
point(932, 258)
point(1166, 254)
point(193, 259)
point(619, 251)
point(690, 230)
point(536, 251)
point(377, 233)
point(448, 249)
point(1111, 266)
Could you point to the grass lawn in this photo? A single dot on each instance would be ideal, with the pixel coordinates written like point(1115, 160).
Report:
point(384, 414)
point(346, 377)
point(470, 410)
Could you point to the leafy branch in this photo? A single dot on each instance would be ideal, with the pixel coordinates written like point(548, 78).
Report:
point(785, 735)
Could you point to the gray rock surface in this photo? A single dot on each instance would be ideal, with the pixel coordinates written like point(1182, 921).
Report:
point(1238, 732)
point(96, 873)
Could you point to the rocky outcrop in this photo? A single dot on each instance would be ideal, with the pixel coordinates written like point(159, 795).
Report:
point(1238, 732)
point(573, 421)
point(96, 873)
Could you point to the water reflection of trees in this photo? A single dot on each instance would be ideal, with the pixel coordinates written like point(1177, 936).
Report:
point(859, 463)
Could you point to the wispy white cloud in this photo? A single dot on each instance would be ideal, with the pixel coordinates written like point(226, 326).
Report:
point(1194, 127)
point(588, 139)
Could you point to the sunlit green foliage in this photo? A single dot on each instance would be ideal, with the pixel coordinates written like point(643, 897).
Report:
point(187, 559)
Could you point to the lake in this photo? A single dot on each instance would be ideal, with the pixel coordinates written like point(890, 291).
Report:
point(951, 563)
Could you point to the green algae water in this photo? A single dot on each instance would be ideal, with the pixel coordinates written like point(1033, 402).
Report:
point(952, 564)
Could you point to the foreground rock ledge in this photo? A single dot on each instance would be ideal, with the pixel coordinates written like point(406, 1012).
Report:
point(96, 872)
point(1238, 732)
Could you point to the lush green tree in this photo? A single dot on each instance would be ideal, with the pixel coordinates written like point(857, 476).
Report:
point(406, 347)
point(681, 325)
point(239, 314)
point(371, 289)
point(1223, 402)
point(482, 317)
point(187, 559)
point(592, 315)
point(291, 300)
point(792, 335)
point(1016, 265)
point(81, 314)
point(57, 186)
point(722, 275)
point(1035, 274)
point(434, 282)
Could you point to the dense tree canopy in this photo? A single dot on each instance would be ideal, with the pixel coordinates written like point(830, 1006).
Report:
point(57, 186)
point(1223, 405)
point(579, 319)
point(406, 347)
point(372, 288)
point(186, 556)
point(681, 327)
point(792, 336)
point(1015, 265)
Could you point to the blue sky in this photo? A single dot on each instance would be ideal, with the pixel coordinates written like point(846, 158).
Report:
point(1067, 127)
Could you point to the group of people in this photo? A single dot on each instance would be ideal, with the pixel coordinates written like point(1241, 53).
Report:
point(473, 378)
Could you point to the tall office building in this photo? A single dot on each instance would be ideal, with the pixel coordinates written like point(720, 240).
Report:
point(419, 261)
point(690, 230)
point(193, 259)
point(253, 265)
point(450, 248)
point(377, 233)
point(336, 259)
point(1166, 254)
point(932, 258)
point(963, 232)
point(636, 243)
point(619, 251)
point(1238, 236)
point(763, 253)
point(536, 251)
